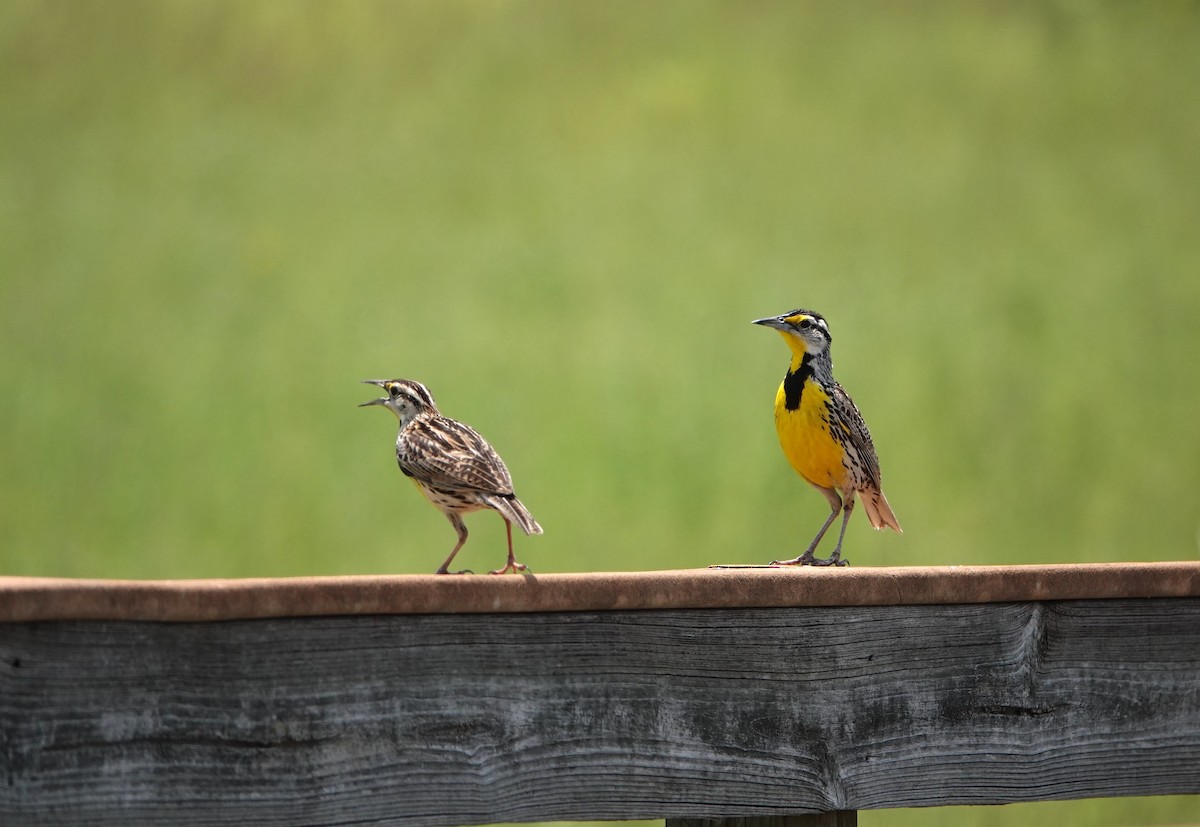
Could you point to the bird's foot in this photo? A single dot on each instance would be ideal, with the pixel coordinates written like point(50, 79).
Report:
point(808, 559)
point(805, 559)
point(446, 571)
point(513, 566)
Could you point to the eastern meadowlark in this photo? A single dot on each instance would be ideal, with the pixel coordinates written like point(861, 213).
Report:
point(822, 433)
point(451, 464)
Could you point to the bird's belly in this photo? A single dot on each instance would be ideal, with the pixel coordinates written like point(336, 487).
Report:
point(806, 437)
point(448, 500)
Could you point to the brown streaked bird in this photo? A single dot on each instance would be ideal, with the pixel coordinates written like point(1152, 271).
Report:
point(822, 433)
point(451, 464)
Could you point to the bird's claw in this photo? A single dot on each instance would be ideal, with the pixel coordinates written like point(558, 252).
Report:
point(810, 560)
point(513, 566)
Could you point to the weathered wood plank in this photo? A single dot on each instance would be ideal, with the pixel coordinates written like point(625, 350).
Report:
point(461, 719)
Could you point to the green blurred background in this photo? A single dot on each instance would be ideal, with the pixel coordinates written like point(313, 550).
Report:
point(217, 217)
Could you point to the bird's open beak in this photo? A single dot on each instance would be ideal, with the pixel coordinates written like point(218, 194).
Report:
point(774, 321)
point(381, 400)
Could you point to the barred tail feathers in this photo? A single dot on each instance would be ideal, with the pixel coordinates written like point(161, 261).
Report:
point(515, 511)
point(878, 511)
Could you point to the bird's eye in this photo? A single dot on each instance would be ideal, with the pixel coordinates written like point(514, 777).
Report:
point(805, 324)
point(394, 390)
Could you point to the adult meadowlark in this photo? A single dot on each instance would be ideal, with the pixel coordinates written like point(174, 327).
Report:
point(822, 433)
point(451, 464)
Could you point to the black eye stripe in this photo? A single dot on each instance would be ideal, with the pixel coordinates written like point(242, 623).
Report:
point(410, 392)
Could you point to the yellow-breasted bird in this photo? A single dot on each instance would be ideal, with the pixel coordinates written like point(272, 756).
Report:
point(822, 433)
point(451, 464)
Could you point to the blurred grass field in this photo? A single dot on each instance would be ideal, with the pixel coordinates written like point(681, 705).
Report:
point(217, 217)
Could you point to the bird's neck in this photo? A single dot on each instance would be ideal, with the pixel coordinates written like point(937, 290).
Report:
point(819, 365)
point(409, 418)
point(801, 361)
point(804, 366)
point(798, 373)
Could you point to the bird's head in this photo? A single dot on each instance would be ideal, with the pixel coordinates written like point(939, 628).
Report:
point(805, 331)
point(404, 397)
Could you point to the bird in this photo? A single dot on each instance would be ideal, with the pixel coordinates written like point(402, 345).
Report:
point(452, 465)
point(823, 435)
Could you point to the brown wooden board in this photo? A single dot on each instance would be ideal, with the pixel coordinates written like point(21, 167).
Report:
point(28, 598)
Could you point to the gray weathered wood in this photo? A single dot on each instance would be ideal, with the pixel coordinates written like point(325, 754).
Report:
point(461, 719)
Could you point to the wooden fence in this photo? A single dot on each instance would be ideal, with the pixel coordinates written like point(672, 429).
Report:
point(737, 694)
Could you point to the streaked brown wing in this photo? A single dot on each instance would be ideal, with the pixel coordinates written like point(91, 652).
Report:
point(859, 435)
point(449, 454)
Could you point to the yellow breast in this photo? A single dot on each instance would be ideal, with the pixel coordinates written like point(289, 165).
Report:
point(806, 436)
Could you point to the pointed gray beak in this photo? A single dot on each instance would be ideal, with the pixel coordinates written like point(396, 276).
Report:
point(381, 400)
point(773, 321)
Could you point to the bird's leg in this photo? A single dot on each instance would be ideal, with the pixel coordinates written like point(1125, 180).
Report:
point(512, 564)
point(808, 558)
point(835, 559)
point(461, 528)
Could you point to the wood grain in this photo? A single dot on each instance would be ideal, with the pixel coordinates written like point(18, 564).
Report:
point(683, 714)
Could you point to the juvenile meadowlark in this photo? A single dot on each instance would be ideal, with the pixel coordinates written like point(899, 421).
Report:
point(823, 435)
point(451, 464)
